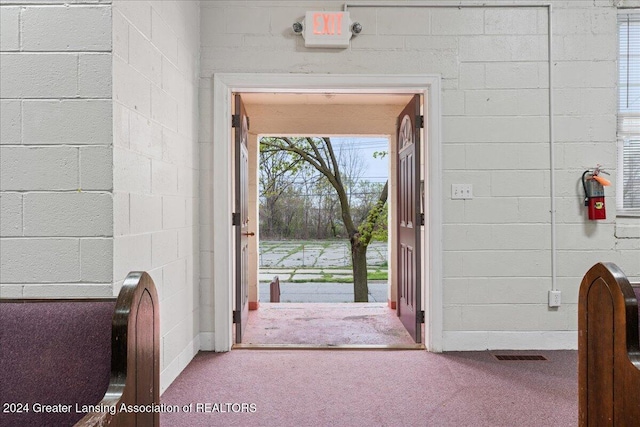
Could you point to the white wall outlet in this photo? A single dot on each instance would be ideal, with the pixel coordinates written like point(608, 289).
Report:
point(554, 299)
point(461, 191)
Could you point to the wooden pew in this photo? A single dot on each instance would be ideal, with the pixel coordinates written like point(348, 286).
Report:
point(76, 354)
point(608, 349)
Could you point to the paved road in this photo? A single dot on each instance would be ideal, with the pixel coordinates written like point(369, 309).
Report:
point(324, 292)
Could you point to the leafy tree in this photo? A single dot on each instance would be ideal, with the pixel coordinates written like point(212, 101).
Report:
point(319, 153)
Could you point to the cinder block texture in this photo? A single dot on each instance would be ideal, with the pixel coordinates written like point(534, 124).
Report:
point(145, 213)
point(121, 214)
point(164, 178)
point(96, 260)
point(164, 109)
point(411, 20)
point(512, 21)
point(145, 135)
point(68, 214)
point(62, 290)
point(132, 172)
point(38, 168)
point(9, 28)
point(71, 121)
point(462, 21)
point(96, 168)
point(11, 214)
point(27, 75)
point(173, 212)
point(132, 252)
point(94, 75)
point(138, 13)
point(39, 260)
point(144, 57)
point(56, 135)
point(156, 55)
point(164, 38)
point(164, 247)
point(66, 28)
point(10, 121)
point(516, 75)
point(503, 48)
point(132, 91)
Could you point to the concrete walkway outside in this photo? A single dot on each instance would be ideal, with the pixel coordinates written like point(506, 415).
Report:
point(317, 254)
point(325, 325)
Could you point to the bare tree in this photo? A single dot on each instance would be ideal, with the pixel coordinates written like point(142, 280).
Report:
point(320, 154)
point(277, 174)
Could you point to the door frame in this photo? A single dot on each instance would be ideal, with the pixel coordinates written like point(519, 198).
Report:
point(223, 85)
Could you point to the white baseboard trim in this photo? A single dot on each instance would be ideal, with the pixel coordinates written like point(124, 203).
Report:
point(177, 365)
point(509, 340)
point(207, 341)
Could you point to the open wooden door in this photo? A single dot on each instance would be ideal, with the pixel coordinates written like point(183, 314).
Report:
point(409, 216)
point(241, 217)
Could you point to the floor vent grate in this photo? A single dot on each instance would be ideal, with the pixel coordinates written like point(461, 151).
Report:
point(519, 357)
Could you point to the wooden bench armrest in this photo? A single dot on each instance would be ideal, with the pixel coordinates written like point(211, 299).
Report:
point(608, 349)
point(135, 357)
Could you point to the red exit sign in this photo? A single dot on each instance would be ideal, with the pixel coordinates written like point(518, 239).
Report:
point(328, 24)
point(327, 29)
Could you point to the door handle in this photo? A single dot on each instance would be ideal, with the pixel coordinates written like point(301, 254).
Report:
point(249, 234)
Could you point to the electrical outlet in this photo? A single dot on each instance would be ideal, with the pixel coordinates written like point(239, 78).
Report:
point(554, 299)
point(461, 191)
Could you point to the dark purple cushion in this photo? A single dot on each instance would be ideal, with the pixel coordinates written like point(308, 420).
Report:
point(55, 353)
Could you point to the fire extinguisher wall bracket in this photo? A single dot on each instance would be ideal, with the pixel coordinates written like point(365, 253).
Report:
point(584, 186)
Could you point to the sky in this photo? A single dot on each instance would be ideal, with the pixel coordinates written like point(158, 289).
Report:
point(377, 170)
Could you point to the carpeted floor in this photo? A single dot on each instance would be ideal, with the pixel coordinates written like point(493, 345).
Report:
point(374, 388)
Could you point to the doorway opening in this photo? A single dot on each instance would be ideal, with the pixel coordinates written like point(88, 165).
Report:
point(328, 168)
point(428, 87)
point(307, 212)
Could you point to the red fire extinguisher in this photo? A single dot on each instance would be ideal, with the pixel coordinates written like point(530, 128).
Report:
point(593, 185)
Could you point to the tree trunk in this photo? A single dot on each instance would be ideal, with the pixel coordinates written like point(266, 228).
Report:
point(359, 260)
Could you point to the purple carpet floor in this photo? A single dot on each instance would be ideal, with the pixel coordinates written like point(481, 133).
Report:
point(374, 388)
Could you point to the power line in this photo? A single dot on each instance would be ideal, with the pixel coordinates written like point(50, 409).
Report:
point(293, 196)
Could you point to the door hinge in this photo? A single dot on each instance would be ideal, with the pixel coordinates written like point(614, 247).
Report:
point(236, 316)
point(420, 122)
point(235, 121)
point(421, 316)
point(235, 218)
point(421, 219)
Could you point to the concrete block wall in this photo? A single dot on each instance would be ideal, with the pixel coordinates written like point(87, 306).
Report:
point(494, 68)
point(55, 148)
point(155, 67)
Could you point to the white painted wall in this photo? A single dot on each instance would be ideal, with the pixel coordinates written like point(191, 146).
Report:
point(155, 156)
point(493, 61)
point(55, 153)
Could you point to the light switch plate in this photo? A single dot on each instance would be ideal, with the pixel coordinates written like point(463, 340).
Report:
point(461, 191)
